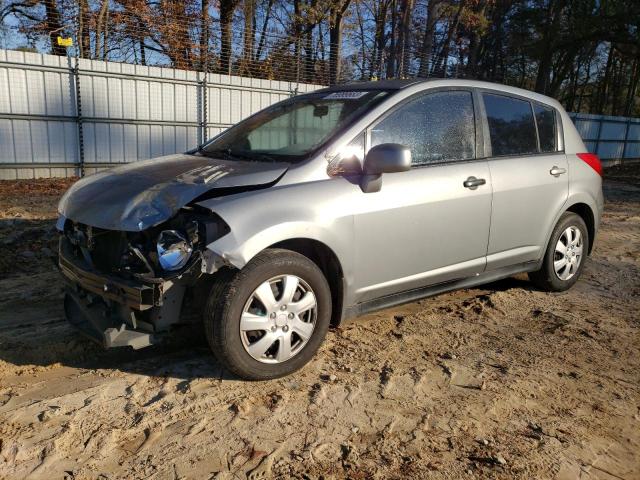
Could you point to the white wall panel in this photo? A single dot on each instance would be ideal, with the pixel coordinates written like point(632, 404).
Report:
point(5, 105)
point(130, 141)
point(130, 112)
point(18, 91)
point(8, 154)
point(39, 141)
point(55, 132)
point(102, 143)
point(36, 93)
point(143, 141)
point(89, 136)
point(22, 141)
point(116, 143)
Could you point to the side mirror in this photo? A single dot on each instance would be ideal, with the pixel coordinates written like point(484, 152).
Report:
point(383, 158)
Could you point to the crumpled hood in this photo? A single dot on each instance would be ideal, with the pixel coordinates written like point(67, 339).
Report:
point(143, 194)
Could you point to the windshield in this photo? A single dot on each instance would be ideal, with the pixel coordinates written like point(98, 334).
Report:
point(292, 130)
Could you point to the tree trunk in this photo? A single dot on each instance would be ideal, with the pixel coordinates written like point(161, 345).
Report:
point(633, 87)
point(363, 44)
point(475, 43)
point(227, 7)
point(598, 106)
point(308, 55)
point(335, 43)
point(249, 34)
point(263, 31)
point(54, 26)
point(143, 53)
point(204, 35)
point(426, 49)
point(391, 65)
point(84, 39)
point(443, 58)
point(297, 34)
point(337, 12)
point(380, 39)
point(547, 49)
point(100, 26)
point(403, 46)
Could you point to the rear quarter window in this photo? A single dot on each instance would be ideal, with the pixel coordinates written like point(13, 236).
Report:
point(511, 125)
point(546, 122)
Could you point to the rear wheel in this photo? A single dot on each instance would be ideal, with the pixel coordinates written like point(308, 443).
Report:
point(268, 319)
point(564, 259)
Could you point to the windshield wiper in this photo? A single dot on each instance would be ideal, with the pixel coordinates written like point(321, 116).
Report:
point(228, 154)
point(225, 154)
point(254, 156)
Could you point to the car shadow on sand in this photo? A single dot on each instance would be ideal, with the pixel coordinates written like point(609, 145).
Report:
point(44, 338)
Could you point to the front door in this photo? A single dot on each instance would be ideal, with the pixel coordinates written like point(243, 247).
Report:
point(430, 224)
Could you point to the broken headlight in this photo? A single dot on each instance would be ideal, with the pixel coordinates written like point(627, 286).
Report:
point(174, 250)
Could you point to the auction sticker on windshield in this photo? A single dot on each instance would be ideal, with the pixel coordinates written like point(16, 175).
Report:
point(345, 95)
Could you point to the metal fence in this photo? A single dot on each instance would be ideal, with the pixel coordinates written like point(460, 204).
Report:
point(59, 118)
point(613, 139)
point(62, 116)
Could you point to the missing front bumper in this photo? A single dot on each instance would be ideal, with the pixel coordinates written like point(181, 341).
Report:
point(137, 295)
point(94, 319)
point(117, 312)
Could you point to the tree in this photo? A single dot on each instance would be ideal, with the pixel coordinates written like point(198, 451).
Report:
point(227, 8)
point(337, 11)
point(586, 53)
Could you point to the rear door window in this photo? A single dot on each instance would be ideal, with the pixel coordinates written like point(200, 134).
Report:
point(437, 127)
point(511, 125)
point(546, 122)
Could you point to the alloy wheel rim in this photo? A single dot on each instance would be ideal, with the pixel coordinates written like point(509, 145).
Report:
point(568, 253)
point(278, 319)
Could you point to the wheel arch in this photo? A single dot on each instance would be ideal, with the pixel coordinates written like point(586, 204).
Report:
point(586, 213)
point(328, 262)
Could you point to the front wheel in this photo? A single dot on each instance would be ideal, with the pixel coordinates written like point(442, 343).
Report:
point(565, 256)
point(268, 319)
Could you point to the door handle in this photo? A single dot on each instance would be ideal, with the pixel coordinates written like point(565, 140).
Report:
point(557, 171)
point(472, 182)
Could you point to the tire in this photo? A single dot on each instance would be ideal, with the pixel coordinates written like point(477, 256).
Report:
point(547, 278)
point(235, 304)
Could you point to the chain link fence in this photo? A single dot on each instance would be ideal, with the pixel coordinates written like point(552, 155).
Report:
point(271, 45)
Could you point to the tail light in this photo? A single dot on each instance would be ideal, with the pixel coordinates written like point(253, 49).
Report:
point(592, 160)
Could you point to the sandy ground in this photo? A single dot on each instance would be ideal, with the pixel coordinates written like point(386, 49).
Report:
point(498, 382)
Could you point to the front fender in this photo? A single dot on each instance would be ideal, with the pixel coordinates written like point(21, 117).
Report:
point(319, 210)
point(238, 250)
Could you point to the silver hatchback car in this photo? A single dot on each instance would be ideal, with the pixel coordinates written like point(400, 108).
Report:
point(326, 206)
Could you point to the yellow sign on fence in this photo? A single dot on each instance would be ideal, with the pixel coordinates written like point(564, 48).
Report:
point(65, 42)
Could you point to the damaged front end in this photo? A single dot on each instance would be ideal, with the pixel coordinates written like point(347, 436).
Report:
point(128, 288)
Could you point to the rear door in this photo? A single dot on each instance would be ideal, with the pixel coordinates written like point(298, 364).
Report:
point(425, 226)
point(528, 173)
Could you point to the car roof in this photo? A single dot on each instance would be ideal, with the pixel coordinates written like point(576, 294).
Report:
point(398, 85)
point(394, 84)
